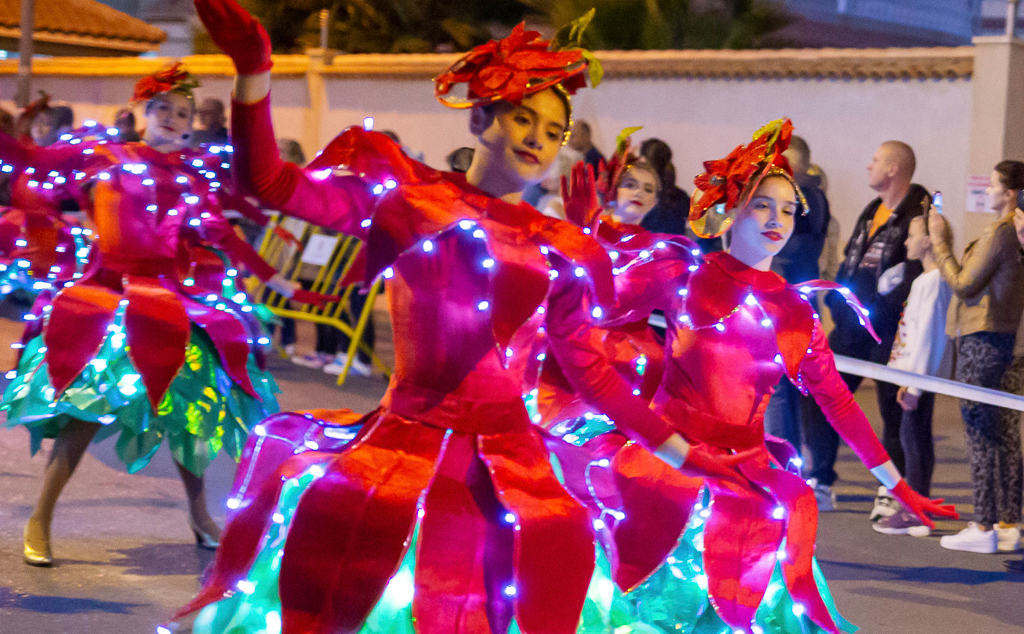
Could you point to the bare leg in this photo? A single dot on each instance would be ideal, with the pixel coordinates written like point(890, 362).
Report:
point(198, 514)
point(67, 451)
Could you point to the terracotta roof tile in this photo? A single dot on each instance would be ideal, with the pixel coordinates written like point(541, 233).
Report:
point(82, 18)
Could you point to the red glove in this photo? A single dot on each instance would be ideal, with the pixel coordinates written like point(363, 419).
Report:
point(701, 464)
point(238, 34)
point(922, 506)
point(582, 207)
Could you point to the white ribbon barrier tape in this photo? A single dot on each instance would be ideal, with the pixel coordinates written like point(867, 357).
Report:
point(923, 382)
point(929, 383)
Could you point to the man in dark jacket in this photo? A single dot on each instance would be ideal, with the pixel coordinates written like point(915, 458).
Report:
point(876, 269)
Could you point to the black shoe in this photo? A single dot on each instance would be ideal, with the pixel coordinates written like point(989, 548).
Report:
point(1015, 565)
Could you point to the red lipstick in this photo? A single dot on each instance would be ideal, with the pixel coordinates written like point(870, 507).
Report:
point(774, 236)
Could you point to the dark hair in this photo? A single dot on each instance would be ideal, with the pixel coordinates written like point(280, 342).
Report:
point(659, 155)
point(1011, 174)
point(292, 152)
point(60, 116)
point(6, 122)
point(799, 145)
point(460, 159)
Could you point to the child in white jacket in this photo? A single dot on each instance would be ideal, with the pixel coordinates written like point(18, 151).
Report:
point(920, 344)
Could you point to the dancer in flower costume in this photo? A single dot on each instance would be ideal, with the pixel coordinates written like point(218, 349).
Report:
point(444, 513)
point(130, 348)
point(714, 555)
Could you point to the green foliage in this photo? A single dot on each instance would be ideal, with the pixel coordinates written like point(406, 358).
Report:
point(669, 24)
point(420, 26)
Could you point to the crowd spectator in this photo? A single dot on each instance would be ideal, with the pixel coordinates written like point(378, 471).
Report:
point(460, 159)
point(984, 316)
point(671, 214)
point(212, 124)
point(125, 123)
point(876, 270)
point(580, 139)
point(637, 193)
point(1013, 380)
point(798, 262)
point(7, 127)
point(550, 201)
point(49, 123)
point(6, 122)
point(920, 345)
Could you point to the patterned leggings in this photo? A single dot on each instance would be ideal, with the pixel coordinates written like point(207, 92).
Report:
point(993, 436)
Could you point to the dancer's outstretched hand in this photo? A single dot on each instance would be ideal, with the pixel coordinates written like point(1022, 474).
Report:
point(579, 196)
point(238, 34)
point(702, 464)
point(921, 506)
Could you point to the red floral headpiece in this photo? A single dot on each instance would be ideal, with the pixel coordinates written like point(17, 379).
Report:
point(611, 172)
point(174, 78)
point(726, 182)
point(519, 65)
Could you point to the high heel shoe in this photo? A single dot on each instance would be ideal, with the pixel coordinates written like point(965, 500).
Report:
point(203, 539)
point(36, 551)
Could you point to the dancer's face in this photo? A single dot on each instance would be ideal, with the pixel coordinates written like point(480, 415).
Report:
point(637, 193)
point(43, 130)
point(764, 225)
point(527, 137)
point(169, 119)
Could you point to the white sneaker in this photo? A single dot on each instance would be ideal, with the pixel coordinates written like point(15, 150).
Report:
point(290, 349)
point(972, 539)
point(1008, 539)
point(885, 505)
point(316, 360)
point(824, 495)
point(359, 367)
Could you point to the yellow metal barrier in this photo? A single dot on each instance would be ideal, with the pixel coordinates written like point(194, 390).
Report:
point(321, 259)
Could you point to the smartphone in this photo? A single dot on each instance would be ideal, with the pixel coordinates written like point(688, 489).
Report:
point(937, 201)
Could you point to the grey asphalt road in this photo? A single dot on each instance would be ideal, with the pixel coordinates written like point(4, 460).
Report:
point(127, 558)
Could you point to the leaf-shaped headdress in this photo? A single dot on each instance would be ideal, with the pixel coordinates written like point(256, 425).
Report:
point(174, 78)
point(612, 171)
point(519, 65)
point(727, 184)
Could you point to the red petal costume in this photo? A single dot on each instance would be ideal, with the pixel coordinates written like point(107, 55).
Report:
point(733, 331)
point(142, 314)
point(477, 289)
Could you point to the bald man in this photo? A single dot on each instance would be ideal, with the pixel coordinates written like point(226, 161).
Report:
point(876, 269)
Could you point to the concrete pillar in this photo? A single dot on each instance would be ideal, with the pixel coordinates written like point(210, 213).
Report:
point(318, 101)
point(997, 115)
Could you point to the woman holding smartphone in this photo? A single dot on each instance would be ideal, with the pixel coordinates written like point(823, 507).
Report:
point(988, 299)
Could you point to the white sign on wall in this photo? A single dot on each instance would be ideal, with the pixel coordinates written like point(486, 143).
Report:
point(319, 249)
point(977, 199)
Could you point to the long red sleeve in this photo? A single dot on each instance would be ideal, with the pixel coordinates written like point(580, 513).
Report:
point(590, 373)
point(63, 158)
point(334, 202)
point(836, 401)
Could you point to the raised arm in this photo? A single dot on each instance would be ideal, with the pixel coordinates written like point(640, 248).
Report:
point(822, 379)
point(330, 202)
point(996, 245)
point(61, 158)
